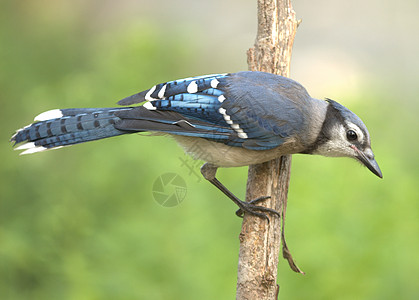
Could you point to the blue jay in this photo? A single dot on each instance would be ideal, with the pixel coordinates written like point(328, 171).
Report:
point(226, 120)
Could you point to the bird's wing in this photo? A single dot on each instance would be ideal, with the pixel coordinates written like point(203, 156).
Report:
point(240, 109)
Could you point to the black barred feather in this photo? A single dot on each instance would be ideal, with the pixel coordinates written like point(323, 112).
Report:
point(75, 126)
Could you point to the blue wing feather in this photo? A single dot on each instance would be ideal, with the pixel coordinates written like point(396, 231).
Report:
point(221, 106)
point(172, 88)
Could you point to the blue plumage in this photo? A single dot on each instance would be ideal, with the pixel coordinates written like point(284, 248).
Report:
point(245, 111)
point(226, 120)
point(73, 127)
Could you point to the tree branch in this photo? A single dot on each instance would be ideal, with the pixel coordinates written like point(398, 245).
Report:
point(259, 241)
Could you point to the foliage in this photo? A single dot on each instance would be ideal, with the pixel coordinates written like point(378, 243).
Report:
point(81, 222)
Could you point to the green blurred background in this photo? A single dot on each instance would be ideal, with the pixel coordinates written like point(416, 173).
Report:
point(81, 222)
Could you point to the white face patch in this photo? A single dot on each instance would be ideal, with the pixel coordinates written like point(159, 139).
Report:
point(49, 115)
point(192, 87)
point(338, 144)
point(358, 131)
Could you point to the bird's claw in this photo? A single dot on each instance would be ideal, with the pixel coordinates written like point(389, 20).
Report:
point(256, 210)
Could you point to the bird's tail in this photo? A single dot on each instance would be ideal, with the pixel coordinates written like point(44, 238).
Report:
point(62, 127)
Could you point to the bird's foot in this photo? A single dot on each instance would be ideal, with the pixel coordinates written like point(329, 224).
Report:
point(256, 210)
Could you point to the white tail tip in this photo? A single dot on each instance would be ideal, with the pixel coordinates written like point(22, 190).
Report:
point(26, 146)
point(49, 115)
point(33, 150)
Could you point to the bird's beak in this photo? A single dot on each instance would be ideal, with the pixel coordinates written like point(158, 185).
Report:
point(369, 162)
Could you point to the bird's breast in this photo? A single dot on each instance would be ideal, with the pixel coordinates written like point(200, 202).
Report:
point(223, 155)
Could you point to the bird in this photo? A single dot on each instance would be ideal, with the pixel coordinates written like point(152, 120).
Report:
point(226, 120)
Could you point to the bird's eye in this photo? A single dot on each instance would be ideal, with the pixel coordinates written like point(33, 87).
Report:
point(351, 135)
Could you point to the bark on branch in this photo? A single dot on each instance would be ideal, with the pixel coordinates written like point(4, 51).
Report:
point(259, 241)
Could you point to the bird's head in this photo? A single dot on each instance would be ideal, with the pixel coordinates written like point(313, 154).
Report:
point(344, 134)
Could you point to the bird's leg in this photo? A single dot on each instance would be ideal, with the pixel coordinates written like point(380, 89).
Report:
point(209, 171)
